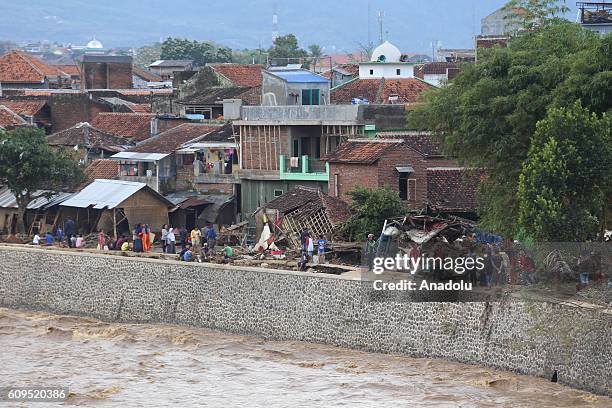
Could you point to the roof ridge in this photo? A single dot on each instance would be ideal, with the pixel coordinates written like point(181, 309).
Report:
point(27, 59)
point(10, 111)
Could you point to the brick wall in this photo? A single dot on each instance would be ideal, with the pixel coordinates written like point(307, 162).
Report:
point(349, 177)
point(69, 109)
point(384, 173)
point(103, 75)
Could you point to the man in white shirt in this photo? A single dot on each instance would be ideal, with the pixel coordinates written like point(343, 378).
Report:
point(36, 240)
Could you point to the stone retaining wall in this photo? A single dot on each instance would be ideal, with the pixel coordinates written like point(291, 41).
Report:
point(535, 338)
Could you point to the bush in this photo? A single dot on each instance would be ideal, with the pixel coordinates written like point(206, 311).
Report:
point(370, 209)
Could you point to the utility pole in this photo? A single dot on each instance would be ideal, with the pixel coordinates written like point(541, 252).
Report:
point(381, 17)
point(369, 26)
point(275, 23)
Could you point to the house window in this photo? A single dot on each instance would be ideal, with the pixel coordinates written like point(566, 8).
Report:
point(407, 187)
point(310, 97)
point(398, 71)
point(188, 159)
point(128, 169)
point(278, 193)
point(371, 72)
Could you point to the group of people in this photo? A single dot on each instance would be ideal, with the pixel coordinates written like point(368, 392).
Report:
point(64, 235)
point(308, 245)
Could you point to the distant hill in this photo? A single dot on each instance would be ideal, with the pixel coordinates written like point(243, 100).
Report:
point(337, 25)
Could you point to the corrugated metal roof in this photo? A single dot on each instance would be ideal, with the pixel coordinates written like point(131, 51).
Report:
point(104, 194)
point(8, 200)
point(300, 76)
point(139, 156)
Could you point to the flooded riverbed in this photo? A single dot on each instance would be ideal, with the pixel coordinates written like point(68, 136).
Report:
point(108, 364)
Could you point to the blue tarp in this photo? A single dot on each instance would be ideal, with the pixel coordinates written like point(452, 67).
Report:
point(300, 76)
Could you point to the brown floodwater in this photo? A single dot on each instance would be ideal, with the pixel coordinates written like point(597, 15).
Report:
point(112, 364)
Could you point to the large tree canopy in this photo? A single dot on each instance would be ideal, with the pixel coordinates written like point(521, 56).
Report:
point(28, 164)
point(200, 52)
point(564, 181)
point(286, 46)
point(488, 116)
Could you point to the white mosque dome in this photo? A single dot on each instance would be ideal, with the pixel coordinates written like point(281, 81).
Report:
point(95, 44)
point(386, 52)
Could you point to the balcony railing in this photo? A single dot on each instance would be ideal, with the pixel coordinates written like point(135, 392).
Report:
point(303, 168)
point(298, 113)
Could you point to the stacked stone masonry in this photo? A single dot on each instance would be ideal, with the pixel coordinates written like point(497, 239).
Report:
point(535, 338)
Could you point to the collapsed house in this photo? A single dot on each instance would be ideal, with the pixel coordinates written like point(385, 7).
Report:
point(303, 209)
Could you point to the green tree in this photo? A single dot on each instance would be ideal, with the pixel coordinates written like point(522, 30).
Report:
point(286, 46)
point(147, 54)
point(201, 52)
point(567, 176)
point(315, 51)
point(370, 209)
point(28, 164)
point(488, 116)
point(531, 14)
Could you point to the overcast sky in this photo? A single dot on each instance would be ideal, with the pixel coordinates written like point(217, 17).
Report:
point(338, 25)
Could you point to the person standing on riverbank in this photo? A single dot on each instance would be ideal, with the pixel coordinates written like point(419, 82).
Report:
point(371, 247)
point(211, 238)
point(69, 230)
point(137, 238)
point(170, 241)
point(164, 237)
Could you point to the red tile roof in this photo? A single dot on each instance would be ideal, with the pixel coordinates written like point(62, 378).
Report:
point(132, 126)
point(170, 140)
point(19, 67)
point(24, 107)
point(361, 151)
point(100, 169)
point(240, 74)
point(378, 90)
point(146, 75)
point(433, 68)
point(83, 134)
point(140, 107)
point(8, 118)
point(347, 69)
point(453, 189)
point(423, 142)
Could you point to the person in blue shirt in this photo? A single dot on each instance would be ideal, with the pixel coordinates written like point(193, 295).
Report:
point(59, 234)
point(321, 249)
point(49, 239)
point(188, 255)
point(211, 239)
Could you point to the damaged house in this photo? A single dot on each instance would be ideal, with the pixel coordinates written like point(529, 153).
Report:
point(304, 209)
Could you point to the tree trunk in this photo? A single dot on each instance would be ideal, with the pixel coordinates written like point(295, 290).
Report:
point(22, 204)
point(20, 224)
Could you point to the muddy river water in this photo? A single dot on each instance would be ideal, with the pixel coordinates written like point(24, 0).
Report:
point(110, 364)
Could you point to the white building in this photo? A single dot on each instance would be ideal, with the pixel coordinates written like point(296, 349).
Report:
point(386, 62)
